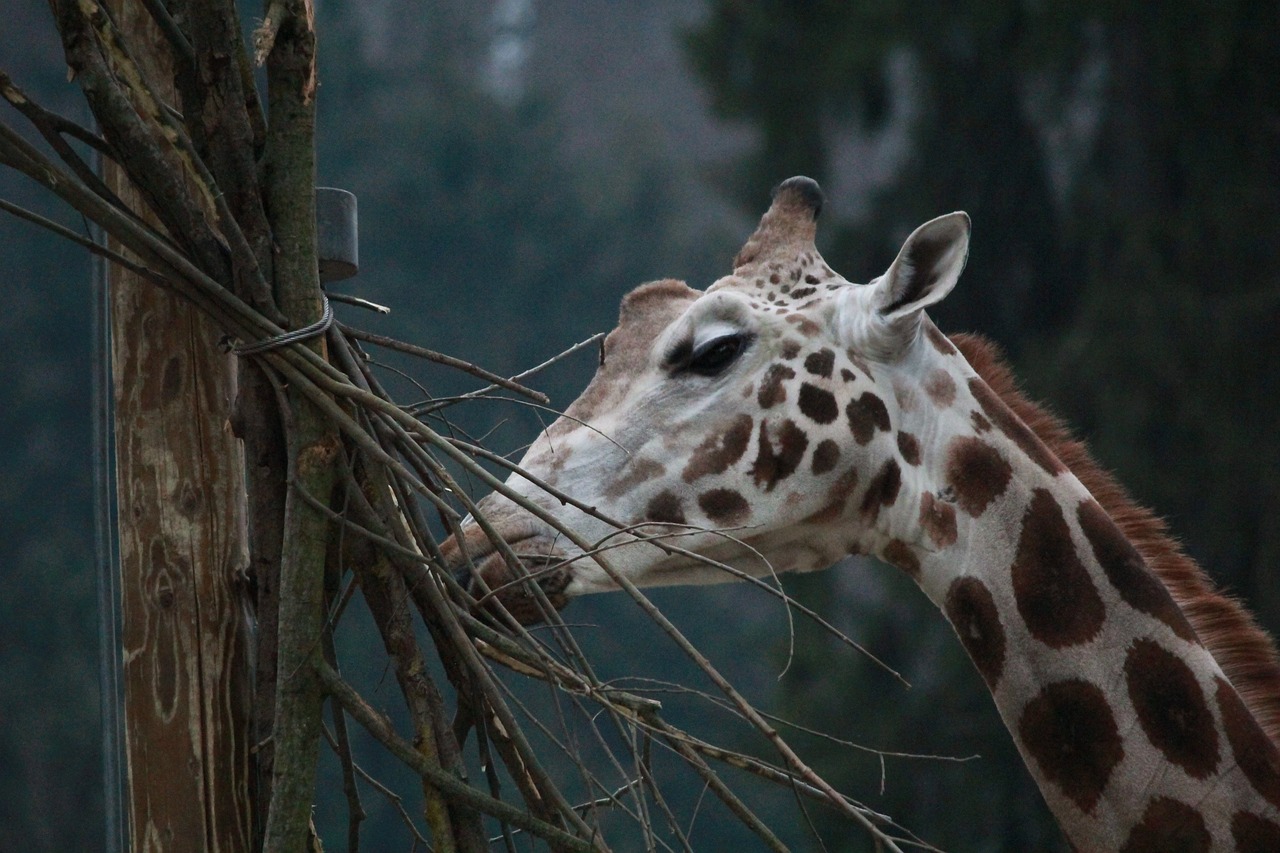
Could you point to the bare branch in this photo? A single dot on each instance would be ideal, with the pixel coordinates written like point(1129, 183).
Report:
point(447, 360)
point(450, 786)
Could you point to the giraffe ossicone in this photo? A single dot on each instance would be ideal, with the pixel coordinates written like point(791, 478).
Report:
point(785, 418)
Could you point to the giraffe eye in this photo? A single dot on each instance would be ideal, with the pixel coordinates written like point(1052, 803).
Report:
point(715, 356)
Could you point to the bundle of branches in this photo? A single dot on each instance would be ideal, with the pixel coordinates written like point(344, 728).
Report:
point(347, 490)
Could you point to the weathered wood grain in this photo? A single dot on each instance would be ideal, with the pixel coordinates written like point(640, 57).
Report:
point(182, 548)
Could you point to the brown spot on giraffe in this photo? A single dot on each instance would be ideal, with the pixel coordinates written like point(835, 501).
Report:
point(972, 612)
point(1254, 752)
point(909, 447)
point(905, 396)
point(938, 518)
point(1168, 826)
point(940, 387)
point(859, 362)
point(866, 415)
point(837, 498)
point(773, 465)
point(1128, 572)
point(803, 324)
point(820, 363)
point(719, 450)
point(1070, 732)
point(818, 404)
point(939, 340)
point(559, 456)
point(724, 506)
point(1054, 593)
point(976, 472)
point(899, 554)
point(665, 508)
point(790, 349)
point(1018, 432)
point(980, 424)
point(639, 471)
point(825, 456)
point(882, 491)
point(1171, 708)
point(772, 389)
point(1254, 834)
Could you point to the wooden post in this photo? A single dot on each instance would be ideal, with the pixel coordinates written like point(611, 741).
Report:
point(182, 548)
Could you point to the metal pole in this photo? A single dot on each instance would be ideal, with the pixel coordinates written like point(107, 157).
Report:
point(106, 558)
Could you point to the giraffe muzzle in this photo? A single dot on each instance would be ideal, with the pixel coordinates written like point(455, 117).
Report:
point(527, 587)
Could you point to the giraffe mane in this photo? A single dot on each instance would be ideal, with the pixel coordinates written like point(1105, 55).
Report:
point(1245, 652)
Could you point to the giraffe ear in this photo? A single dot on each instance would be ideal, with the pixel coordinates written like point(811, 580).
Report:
point(927, 267)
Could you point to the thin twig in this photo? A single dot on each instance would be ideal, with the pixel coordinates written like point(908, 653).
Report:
point(52, 126)
point(341, 744)
point(380, 728)
point(438, 404)
point(177, 39)
point(391, 795)
point(441, 358)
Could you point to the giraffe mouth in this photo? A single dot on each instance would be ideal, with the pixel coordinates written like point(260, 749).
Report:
point(526, 588)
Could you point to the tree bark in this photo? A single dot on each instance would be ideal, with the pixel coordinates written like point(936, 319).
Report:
point(314, 446)
point(182, 549)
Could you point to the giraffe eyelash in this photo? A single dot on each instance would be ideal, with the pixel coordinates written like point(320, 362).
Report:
point(710, 358)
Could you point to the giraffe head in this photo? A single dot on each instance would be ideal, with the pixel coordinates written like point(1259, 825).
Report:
point(765, 422)
point(784, 418)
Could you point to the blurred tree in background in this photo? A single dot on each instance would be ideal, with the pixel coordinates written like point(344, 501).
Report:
point(468, 202)
point(49, 733)
point(1120, 163)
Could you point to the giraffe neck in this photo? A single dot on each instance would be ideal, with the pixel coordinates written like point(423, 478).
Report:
point(1126, 721)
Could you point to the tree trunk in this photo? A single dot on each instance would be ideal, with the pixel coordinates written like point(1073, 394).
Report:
point(314, 446)
point(182, 549)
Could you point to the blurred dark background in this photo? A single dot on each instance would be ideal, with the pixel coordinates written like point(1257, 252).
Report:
point(520, 164)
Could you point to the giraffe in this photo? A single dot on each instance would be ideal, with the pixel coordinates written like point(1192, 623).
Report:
point(788, 410)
